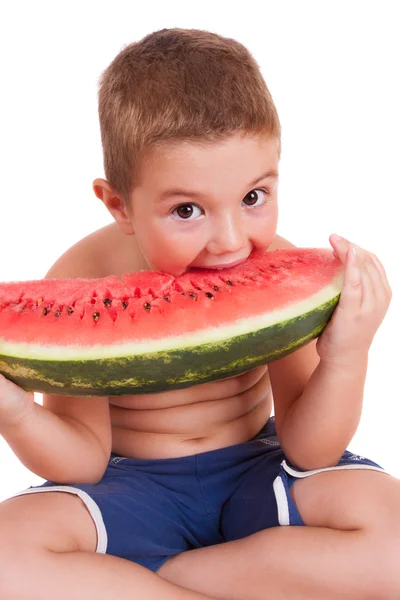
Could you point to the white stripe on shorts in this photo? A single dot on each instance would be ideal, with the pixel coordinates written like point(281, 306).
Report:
point(282, 502)
point(300, 474)
point(93, 508)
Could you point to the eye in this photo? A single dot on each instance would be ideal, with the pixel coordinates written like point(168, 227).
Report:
point(255, 198)
point(186, 212)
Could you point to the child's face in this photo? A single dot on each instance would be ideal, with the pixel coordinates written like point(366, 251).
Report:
point(206, 206)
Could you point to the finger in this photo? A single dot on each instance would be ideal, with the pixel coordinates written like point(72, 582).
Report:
point(351, 295)
point(380, 288)
point(341, 244)
point(382, 273)
point(344, 244)
point(372, 296)
point(340, 247)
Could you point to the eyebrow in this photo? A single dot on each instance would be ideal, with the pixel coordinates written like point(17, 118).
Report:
point(166, 194)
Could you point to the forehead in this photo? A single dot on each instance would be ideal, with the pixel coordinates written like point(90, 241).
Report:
point(236, 158)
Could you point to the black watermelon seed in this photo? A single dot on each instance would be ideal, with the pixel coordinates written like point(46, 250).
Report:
point(45, 311)
point(96, 317)
point(192, 295)
point(124, 304)
point(58, 313)
point(167, 298)
point(147, 306)
point(216, 288)
point(228, 282)
point(209, 295)
point(69, 310)
point(107, 302)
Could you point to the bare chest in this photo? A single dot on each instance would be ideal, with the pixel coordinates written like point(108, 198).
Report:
point(192, 420)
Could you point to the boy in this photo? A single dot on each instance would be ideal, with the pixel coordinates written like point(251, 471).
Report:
point(185, 494)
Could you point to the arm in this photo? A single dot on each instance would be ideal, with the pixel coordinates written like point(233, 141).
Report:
point(317, 411)
point(66, 440)
point(318, 391)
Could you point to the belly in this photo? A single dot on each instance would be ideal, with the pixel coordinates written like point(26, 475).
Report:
point(198, 419)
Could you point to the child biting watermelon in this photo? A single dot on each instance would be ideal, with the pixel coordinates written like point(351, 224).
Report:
point(200, 493)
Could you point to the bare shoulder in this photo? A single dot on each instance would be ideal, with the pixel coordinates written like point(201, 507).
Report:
point(83, 259)
point(106, 251)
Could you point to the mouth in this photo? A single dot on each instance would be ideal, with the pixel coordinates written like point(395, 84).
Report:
point(224, 265)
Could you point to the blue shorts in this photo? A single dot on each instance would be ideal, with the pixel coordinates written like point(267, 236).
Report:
point(150, 510)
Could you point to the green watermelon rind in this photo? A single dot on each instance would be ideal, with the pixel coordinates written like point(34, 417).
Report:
point(169, 369)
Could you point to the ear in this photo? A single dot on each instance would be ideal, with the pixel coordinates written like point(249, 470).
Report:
point(114, 204)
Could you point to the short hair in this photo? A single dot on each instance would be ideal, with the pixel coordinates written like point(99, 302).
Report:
point(178, 84)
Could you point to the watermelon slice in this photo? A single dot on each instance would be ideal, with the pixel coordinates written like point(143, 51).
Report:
point(152, 332)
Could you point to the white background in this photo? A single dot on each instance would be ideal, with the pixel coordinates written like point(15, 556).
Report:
point(333, 70)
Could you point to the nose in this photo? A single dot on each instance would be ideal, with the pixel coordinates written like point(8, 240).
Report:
point(227, 235)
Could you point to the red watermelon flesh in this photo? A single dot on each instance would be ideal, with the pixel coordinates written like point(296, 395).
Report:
point(174, 306)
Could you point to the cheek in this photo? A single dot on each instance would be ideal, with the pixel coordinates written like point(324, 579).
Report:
point(162, 246)
point(263, 230)
point(168, 251)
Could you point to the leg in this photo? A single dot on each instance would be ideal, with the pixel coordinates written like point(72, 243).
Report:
point(47, 550)
point(349, 550)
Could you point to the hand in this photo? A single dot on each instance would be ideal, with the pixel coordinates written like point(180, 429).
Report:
point(363, 303)
point(15, 403)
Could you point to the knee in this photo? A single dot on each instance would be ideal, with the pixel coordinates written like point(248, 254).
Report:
point(392, 559)
point(385, 564)
point(19, 564)
point(386, 534)
point(11, 569)
point(21, 571)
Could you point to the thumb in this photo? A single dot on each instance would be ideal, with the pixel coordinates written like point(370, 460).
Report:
point(351, 294)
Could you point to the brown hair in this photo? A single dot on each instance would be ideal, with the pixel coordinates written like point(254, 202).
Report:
point(178, 84)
